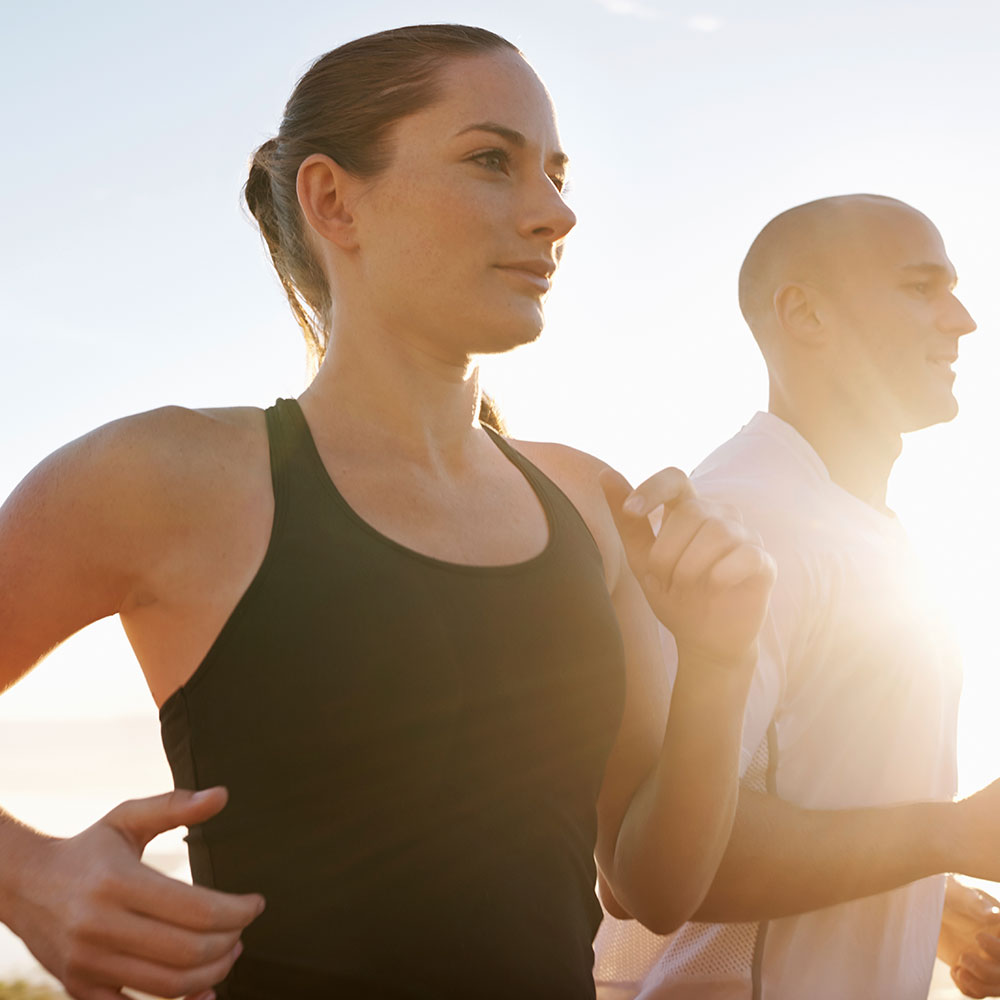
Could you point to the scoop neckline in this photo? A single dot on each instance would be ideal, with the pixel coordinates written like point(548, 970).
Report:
point(530, 473)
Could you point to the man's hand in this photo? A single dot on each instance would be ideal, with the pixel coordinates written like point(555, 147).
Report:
point(704, 575)
point(99, 920)
point(970, 939)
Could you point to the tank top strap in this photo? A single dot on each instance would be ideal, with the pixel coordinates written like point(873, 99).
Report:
point(296, 467)
point(562, 513)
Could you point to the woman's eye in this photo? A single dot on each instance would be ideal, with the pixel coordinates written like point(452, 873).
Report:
point(493, 159)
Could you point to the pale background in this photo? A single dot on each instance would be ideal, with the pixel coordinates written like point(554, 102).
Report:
point(130, 278)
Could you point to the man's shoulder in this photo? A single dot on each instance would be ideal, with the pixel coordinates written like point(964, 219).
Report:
point(754, 467)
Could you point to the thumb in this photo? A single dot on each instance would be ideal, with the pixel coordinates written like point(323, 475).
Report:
point(635, 532)
point(140, 820)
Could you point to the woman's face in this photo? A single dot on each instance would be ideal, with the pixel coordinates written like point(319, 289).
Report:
point(459, 237)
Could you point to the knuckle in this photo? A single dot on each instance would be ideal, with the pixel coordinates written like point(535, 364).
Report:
point(692, 506)
point(203, 949)
point(121, 812)
point(660, 564)
point(78, 963)
point(725, 529)
point(731, 512)
point(81, 922)
point(75, 988)
point(105, 881)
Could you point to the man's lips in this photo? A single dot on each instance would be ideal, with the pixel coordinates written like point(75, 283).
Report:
point(943, 363)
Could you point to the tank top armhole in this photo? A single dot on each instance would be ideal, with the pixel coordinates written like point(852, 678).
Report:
point(277, 448)
point(551, 495)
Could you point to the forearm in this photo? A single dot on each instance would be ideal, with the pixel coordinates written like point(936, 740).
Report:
point(677, 825)
point(783, 860)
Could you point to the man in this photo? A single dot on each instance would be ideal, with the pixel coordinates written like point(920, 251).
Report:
point(829, 886)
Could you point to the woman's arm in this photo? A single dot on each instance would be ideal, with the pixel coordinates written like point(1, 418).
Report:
point(708, 582)
point(73, 539)
point(669, 794)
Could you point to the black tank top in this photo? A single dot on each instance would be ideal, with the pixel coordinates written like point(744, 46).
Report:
point(413, 751)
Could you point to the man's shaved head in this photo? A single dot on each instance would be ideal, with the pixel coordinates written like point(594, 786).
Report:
point(851, 300)
point(813, 244)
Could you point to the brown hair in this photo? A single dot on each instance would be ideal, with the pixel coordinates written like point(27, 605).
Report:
point(344, 107)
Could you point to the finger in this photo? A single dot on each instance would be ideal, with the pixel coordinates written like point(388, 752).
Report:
point(635, 532)
point(730, 512)
point(990, 943)
point(968, 983)
point(140, 820)
point(159, 942)
point(190, 906)
point(149, 977)
point(682, 525)
point(666, 488)
point(983, 971)
point(748, 561)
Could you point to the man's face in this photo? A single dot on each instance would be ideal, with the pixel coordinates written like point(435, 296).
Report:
point(898, 320)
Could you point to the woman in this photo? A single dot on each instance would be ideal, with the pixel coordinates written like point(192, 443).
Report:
point(411, 651)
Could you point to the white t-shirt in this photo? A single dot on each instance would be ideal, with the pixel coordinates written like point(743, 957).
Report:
point(853, 704)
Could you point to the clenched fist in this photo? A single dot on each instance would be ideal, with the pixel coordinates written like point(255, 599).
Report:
point(705, 576)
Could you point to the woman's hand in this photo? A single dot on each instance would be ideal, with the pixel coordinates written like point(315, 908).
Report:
point(969, 941)
point(99, 919)
point(704, 575)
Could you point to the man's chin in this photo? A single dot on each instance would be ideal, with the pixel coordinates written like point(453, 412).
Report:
point(945, 411)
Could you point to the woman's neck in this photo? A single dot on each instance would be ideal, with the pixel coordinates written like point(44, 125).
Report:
point(379, 391)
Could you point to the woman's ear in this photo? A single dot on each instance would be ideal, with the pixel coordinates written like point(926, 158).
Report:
point(798, 313)
point(323, 188)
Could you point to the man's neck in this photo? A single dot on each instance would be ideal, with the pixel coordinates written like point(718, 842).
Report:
point(858, 457)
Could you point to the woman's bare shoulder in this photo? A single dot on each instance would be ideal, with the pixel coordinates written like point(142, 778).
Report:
point(105, 519)
point(578, 474)
point(139, 478)
point(170, 444)
point(578, 469)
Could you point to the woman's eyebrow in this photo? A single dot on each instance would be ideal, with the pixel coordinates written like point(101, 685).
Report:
point(512, 136)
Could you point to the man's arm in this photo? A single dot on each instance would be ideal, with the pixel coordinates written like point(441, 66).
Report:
point(783, 860)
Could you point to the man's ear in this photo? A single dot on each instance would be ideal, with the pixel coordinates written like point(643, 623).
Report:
point(799, 313)
point(324, 188)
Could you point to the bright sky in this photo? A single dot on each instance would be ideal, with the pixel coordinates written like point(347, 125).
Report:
point(129, 277)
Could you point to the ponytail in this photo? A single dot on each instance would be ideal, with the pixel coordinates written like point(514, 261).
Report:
point(296, 268)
